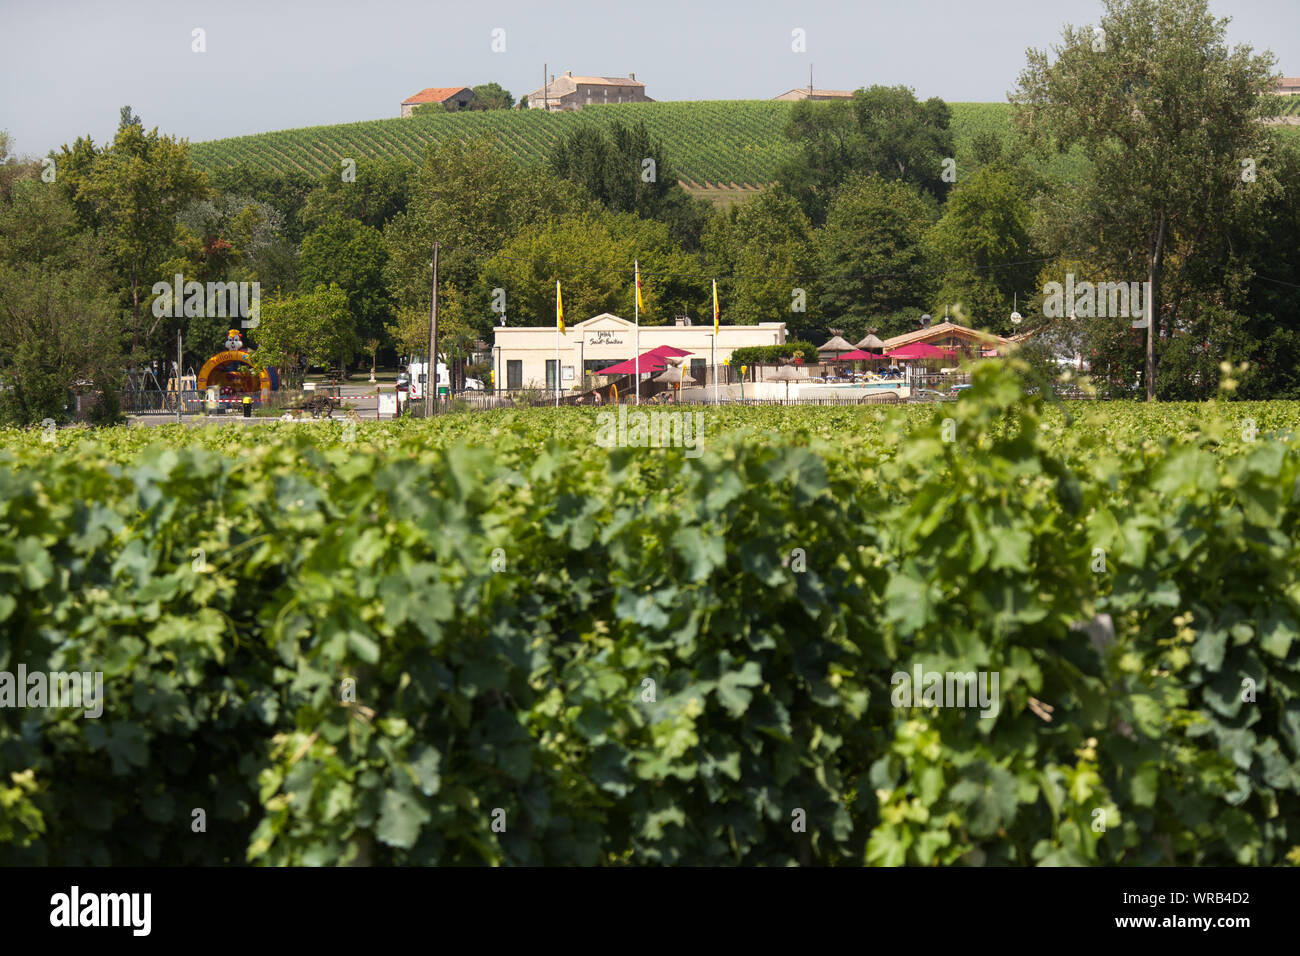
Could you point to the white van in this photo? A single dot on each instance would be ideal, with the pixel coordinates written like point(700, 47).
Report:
point(418, 373)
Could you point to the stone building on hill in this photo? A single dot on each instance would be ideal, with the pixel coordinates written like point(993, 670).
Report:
point(808, 93)
point(570, 92)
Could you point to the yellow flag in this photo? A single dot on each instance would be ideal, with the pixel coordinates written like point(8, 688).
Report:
point(559, 308)
point(639, 303)
point(715, 306)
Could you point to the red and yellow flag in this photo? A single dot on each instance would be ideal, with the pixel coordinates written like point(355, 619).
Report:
point(715, 306)
point(559, 308)
point(639, 303)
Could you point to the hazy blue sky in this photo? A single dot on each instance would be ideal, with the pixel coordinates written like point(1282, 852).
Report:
point(67, 66)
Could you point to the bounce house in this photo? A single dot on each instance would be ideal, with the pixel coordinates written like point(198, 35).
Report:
point(233, 373)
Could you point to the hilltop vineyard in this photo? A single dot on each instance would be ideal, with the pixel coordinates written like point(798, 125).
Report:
point(715, 144)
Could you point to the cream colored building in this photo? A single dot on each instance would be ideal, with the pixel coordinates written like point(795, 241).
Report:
point(524, 357)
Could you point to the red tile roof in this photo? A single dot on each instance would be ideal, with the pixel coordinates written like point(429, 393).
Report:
point(435, 94)
point(941, 330)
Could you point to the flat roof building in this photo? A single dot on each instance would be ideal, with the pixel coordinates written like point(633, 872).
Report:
point(524, 357)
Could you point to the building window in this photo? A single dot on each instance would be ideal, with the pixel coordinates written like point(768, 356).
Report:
point(514, 373)
point(593, 366)
point(550, 374)
point(698, 366)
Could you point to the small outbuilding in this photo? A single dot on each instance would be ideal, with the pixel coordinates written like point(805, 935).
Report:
point(451, 97)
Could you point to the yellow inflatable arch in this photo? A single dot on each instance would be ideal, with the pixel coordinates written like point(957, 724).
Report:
point(233, 369)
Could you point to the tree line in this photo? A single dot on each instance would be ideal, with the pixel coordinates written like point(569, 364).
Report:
point(871, 225)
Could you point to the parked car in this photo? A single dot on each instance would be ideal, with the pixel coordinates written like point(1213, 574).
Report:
point(929, 395)
point(957, 390)
point(473, 385)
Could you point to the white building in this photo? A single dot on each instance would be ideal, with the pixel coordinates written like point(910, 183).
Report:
point(524, 357)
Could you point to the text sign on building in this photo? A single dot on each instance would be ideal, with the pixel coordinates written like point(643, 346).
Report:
point(605, 337)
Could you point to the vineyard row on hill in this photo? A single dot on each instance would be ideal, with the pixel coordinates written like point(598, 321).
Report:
point(718, 143)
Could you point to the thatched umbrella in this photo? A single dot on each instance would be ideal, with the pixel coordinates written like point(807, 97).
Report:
point(675, 376)
point(833, 348)
point(787, 374)
point(871, 342)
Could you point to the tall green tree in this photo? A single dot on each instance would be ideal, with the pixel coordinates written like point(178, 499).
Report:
point(62, 323)
point(1169, 115)
point(763, 252)
point(592, 256)
point(872, 250)
point(472, 200)
point(286, 192)
point(129, 193)
point(372, 193)
point(492, 96)
point(983, 242)
point(306, 330)
point(353, 256)
point(626, 169)
point(883, 130)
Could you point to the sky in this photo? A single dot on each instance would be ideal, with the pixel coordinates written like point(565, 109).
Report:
point(68, 66)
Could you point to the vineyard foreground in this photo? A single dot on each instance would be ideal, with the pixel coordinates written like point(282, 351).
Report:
point(374, 643)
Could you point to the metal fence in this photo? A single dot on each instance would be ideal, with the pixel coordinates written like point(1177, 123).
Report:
point(886, 398)
point(153, 402)
point(147, 402)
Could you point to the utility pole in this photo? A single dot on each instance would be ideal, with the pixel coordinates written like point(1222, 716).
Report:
point(1153, 267)
point(431, 376)
point(546, 91)
point(179, 388)
point(1149, 373)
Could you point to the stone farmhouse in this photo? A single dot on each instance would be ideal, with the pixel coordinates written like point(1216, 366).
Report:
point(570, 92)
point(455, 97)
point(808, 93)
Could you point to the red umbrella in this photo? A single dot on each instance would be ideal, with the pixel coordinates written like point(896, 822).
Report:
point(921, 350)
point(858, 355)
point(668, 350)
point(650, 362)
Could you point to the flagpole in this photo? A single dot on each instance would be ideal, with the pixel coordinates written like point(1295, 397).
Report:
point(715, 368)
point(715, 341)
point(636, 335)
point(559, 312)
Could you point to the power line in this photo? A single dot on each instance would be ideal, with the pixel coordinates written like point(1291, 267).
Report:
point(1290, 285)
